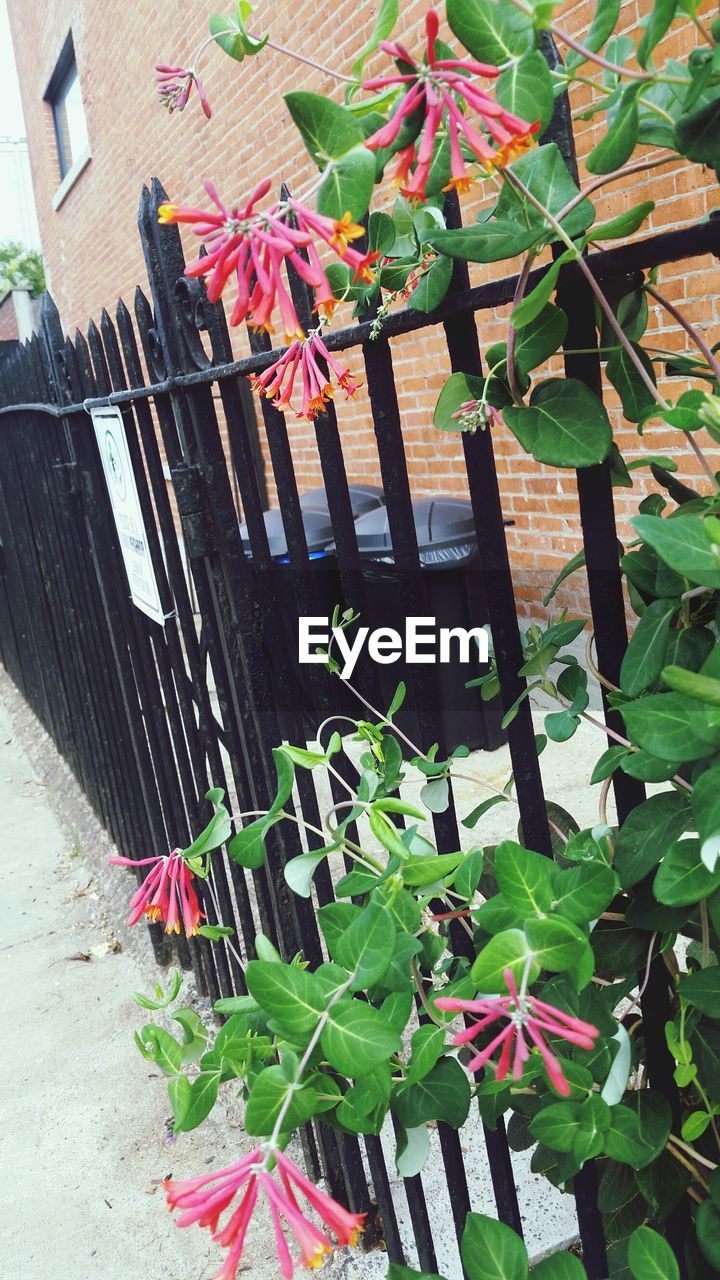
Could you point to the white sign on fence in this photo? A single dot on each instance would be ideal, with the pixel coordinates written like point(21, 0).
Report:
point(125, 500)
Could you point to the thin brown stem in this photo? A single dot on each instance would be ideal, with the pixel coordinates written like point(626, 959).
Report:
point(705, 927)
point(512, 373)
point(627, 72)
point(309, 62)
point(689, 328)
point(627, 171)
point(601, 679)
point(603, 799)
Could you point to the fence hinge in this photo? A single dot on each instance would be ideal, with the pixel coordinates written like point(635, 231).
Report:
point(194, 510)
point(67, 479)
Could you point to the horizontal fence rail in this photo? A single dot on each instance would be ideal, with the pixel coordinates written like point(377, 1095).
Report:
point(150, 717)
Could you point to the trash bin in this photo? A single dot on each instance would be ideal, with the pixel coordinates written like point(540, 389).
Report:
point(293, 682)
point(445, 531)
point(364, 497)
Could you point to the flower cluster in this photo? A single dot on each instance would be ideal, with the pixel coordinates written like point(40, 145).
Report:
point(252, 245)
point(174, 85)
point(203, 1199)
point(526, 1016)
point(166, 893)
point(442, 89)
point(477, 413)
point(276, 382)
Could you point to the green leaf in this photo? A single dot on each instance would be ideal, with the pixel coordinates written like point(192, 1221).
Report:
point(647, 831)
point(645, 655)
point(420, 871)
point(650, 1256)
point(602, 26)
point(384, 23)
point(638, 1134)
point(557, 1125)
point(201, 1099)
point(692, 684)
point(707, 1222)
point(357, 1038)
point(526, 88)
point(299, 871)
point(334, 919)
point(413, 1149)
point(158, 1046)
point(608, 763)
point(239, 44)
point(433, 285)
point(179, 1095)
point(672, 727)
point(215, 931)
point(626, 379)
point(442, 1094)
point(479, 812)
point(396, 1271)
point(619, 141)
point(247, 847)
point(435, 795)
point(681, 542)
point(535, 301)
point(697, 134)
point(217, 830)
point(659, 18)
point(536, 342)
point(576, 562)
point(682, 878)
point(706, 803)
point(546, 175)
point(426, 1046)
point(268, 1095)
point(559, 1266)
point(507, 950)
point(292, 996)
point(523, 878)
point(195, 1035)
point(566, 425)
point(582, 893)
point(367, 947)
point(625, 224)
point(458, 390)
point(492, 1251)
point(490, 32)
point(489, 242)
point(349, 185)
point(328, 130)
point(558, 945)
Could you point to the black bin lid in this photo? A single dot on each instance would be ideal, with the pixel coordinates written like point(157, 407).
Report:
point(439, 522)
point(318, 531)
point(364, 497)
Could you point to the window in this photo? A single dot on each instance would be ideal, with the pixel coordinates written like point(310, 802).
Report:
point(64, 96)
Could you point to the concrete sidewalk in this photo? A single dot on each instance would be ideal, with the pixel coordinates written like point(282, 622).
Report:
point(83, 1126)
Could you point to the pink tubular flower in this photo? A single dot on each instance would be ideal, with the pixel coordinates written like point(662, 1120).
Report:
point(525, 1016)
point(166, 893)
point(276, 382)
point(251, 245)
point(436, 87)
point(174, 85)
point(202, 1200)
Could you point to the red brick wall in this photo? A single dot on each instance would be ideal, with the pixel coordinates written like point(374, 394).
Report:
point(8, 320)
point(93, 252)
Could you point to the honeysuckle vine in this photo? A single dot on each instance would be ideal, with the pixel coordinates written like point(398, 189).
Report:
point(548, 958)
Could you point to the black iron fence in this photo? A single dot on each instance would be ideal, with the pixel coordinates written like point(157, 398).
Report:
point(150, 716)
